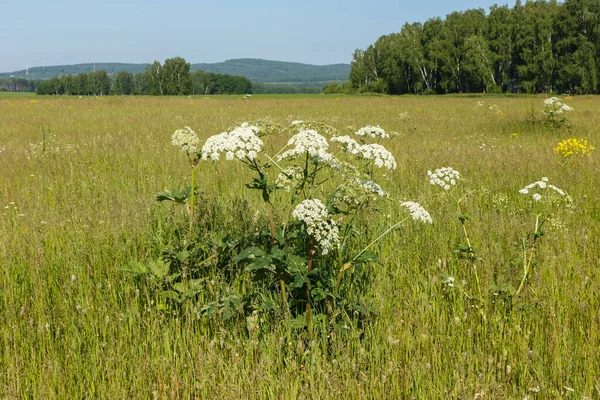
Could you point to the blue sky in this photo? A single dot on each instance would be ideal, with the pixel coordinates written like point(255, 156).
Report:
point(55, 32)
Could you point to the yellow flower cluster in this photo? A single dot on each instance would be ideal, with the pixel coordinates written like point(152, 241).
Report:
point(573, 147)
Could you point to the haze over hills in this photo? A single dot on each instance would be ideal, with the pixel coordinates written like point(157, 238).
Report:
point(256, 70)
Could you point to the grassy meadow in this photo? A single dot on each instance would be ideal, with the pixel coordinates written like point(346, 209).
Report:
point(77, 208)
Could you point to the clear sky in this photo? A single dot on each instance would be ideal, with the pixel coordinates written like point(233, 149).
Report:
point(56, 32)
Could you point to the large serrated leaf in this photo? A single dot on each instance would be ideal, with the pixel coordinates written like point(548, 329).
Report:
point(249, 254)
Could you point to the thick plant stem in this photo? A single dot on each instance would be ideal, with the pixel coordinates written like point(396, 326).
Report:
point(274, 241)
point(311, 253)
point(527, 261)
point(192, 201)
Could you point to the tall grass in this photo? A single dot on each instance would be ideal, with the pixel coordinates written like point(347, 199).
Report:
point(76, 208)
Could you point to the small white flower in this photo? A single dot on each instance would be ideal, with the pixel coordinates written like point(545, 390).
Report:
point(241, 143)
point(417, 212)
point(308, 141)
point(372, 132)
point(348, 144)
point(445, 177)
point(379, 154)
point(541, 185)
point(370, 187)
point(318, 222)
point(186, 139)
point(449, 281)
point(289, 177)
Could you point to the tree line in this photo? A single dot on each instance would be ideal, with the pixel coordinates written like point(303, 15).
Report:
point(171, 78)
point(17, 85)
point(539, 46)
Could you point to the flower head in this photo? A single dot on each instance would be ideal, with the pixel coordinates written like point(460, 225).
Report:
point(370, 187)
point(537, 188)
point(240, 143)
point(372, 132)
point(319, 224)
point(289, 177)
point(348, 144)
point(417, 212)
point(308, 141)
point(445, 177)
point(554, 106)
point(186, 139)
point(379, 154)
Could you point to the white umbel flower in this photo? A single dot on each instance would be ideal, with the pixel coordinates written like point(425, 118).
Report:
point(555, 106)
point(319, 224)
point(417, 212)
point(241, 143)
point(370, 187)
point(186, 139)
point(445, 177)
point(372, 132)
point(535, 187)
point(308, 141)
point(290, 177)
point(348, 144)
point(379, 154)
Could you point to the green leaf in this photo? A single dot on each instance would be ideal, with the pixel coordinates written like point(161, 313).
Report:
point(249, 254)
point(175, 195)
point(368, 256)
point(259, 264)
point(159, 268)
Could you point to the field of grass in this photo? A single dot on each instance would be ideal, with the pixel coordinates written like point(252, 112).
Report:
point(77, 209)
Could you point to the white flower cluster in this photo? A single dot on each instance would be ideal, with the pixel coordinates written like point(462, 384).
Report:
point(554, 105)
point(348, 144)
point(445, 177)
point(318, 222)
point(379, 154)
point(289, 177)
point(417, 212)
point(308, 141)
point(541, 184)
point(186, 139)
point(240, 143)
point(370, 187)
point(376, 152)
point(372, 132)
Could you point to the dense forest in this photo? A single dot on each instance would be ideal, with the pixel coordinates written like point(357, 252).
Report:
point(539, 46)
point(17, 85)
point(171, 78)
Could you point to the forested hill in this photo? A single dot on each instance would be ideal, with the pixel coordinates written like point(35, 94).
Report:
point(256, 70)
point(266, 71)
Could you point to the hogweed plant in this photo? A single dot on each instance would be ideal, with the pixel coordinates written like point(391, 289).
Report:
point(320, 182)
point(188, 142)
point(556, 110)
point(447, 179)
point(543, 197)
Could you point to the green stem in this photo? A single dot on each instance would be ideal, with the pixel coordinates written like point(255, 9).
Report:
point(391, 228)
point(311, 253)
point(192, 201)
point(471, 256)
point(527, 261)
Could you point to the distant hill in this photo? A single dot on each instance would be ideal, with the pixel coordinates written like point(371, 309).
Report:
point(257, 70)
